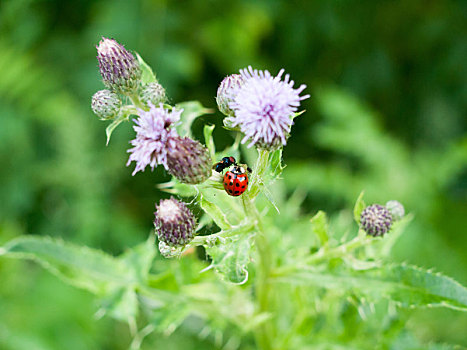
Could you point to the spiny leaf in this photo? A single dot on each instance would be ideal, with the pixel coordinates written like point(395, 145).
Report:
point(82, 267)
point(409, 286)
point(231, 260)
point(147, 75)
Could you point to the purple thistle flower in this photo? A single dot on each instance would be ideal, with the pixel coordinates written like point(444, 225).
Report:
point(154, 137)
point(264, 106)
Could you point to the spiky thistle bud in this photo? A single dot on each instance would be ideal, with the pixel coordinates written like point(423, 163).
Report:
point(189, 161)
point(174, 223)
point(105, 104)
point(396, 209)
point(119, 68)
point(153, 93)
point(376, 220)
point(226, 93)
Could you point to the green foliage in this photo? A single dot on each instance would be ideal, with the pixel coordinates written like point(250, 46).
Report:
point(147, 75)
point(405, 285)
point(58, 179)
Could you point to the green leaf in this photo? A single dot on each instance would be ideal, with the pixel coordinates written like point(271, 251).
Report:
point(406, 285)
point(191, 111)
point(147, 75)
point(208, 140)
point(121, 305)
point(168, 318)
point(112, 126)
point(358, 208)
point(215, 213)
point(139, 259)
point(319, 226)
point(176, 187)
point(275, 164)
point(231, 260)
point(82, 267)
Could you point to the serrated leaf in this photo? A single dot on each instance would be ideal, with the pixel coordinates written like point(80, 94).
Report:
point(231, 260)
point(147, 75)
point(319, 226)
point(82, 267)
point(208, 140)
point(406, 285)
point(358, 208)
point(215, 213)
point(191, 111)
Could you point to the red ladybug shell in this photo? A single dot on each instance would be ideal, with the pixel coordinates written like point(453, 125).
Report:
point(235, 182)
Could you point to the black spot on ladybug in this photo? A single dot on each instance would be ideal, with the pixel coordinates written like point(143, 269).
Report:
point(230, 191)
point(243, 186)
point(237, 184)
point(231, 183)
point(237, 192)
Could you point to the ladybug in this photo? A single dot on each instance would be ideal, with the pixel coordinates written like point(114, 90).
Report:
point(236, 180)
point(224, 164)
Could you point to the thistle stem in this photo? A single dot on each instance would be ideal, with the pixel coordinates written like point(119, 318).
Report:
point(264, 334)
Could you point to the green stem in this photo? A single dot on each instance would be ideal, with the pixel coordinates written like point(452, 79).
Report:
point(137, 102)
point(264, 335)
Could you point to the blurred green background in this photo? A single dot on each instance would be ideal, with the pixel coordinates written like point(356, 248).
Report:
point(388, 81)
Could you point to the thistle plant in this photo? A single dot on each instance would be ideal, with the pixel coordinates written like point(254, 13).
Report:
point(245, 272)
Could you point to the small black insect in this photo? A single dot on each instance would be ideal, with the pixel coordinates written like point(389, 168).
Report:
point(224, 163)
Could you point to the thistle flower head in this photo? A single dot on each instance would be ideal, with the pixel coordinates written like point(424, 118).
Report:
point(155, 137)
point(396, 209)
point(119, 69)
point(225, 93)
point(189, 161)
point(154, 93)
point(174, 222)
point(376, 220)
point(105, 104)
point(264, 106)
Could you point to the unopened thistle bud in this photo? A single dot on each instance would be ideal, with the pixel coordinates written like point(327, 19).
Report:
point(189, 161)
point(153, 93)
point(119, 68)
point(174, 223)
point(226, 93)
point(376, 220)
point(105, 104)
point(396, 209)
